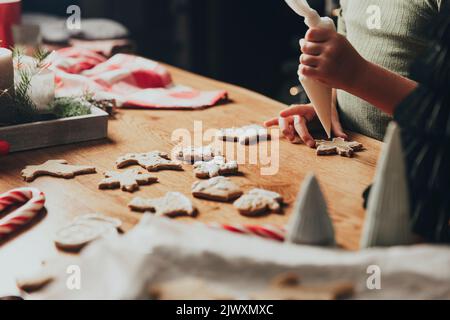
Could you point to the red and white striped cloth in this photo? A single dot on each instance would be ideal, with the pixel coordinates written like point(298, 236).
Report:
point(32, 201)
point(133, 81)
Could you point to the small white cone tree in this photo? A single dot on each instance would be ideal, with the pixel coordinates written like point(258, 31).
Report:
point(388, 221)
point(310, 223)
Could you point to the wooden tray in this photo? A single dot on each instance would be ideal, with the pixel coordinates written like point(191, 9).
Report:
point(56, 132)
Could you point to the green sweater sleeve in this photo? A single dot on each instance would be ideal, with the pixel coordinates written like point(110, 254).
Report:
point(389, 33)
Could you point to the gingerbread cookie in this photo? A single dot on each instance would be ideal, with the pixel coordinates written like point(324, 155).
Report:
point(194, 154)
point(55, 168)
point(83, 230)
point(130, 180)
point(187, 289)
point(245, 135)
point(288, 287)
point(216, 189)
point(101, 219)
point(258, 202)
point(338, 146)
point(215, 167)
point(152, 161)
point(171, 205)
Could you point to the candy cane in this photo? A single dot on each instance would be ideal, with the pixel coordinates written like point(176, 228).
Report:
point(33, 201)
point(266, 231)
point(4, 148)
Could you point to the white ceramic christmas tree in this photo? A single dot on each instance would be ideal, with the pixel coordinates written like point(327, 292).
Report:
point(310, 223)
point(388, 220)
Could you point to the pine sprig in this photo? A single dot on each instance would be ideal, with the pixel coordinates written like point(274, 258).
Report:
point(40, 55)
point(17, 107)
point(67, 107)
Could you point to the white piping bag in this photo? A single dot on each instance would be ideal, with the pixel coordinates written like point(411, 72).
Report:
point(319, 94)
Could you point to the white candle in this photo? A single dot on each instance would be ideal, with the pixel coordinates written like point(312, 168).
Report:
point(42, 89)
point(6, 71)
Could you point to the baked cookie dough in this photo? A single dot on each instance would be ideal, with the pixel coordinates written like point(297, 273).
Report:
point(258, 202)
point(129, 180)
point(245, 135)
point(173, 204)
point(216, 189)
point(338, 146)
point(55, 168)
point(215, 167)
point(152, 161)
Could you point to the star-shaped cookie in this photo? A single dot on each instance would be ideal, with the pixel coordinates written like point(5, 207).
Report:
point(245, 135)
point(129, 180)
point(216, 189)
point(173, 204)
point(258, 202)
point(338, 146)
point(55, 168)
point(215, 167)
point(152, 161)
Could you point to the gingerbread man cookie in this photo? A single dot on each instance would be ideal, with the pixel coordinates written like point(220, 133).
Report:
point(245, 135)
point(258, 202)
point(216, 189)
point(55, 168)
point(130, 180)
point(173, 204)
point(193, 154)
point(214, 167)
point(338, 146)
point(288, 287)
point(152, 161)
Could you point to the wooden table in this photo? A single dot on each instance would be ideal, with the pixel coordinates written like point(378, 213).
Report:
point(342, 180)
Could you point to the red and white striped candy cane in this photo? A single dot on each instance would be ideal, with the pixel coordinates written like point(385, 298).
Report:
point(33, 201)
point(265, 231)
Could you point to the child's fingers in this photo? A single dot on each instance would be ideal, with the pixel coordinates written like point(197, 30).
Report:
point(300, 110)
point(337, 130)
point(308, 60)
point(302, 42)
point(336, 126)
point(318, 34)
point(293, 138)
point(286, 126)
point(303, 132)
point(292, 111)
point(307, 71)
point(271, 123)
point(311, 48)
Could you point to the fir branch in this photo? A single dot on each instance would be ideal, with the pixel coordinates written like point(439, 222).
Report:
point(19, 108)
point(40, 55)
point(67, 107)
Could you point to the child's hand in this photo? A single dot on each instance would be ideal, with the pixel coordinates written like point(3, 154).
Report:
point(330, 58)
point(307, 114)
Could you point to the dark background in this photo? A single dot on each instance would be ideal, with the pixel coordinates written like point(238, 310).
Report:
point(251, 43)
